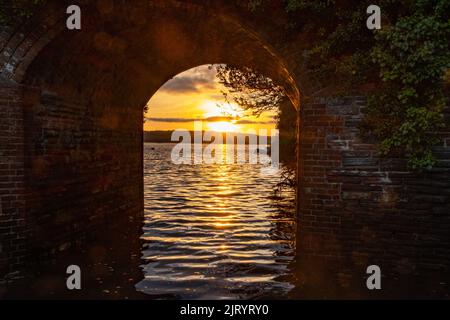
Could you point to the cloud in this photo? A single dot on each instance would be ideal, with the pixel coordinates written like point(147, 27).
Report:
point(219, 118)
point(255, 122)
point(190, 82)
point(171, 119)
point(209, 119)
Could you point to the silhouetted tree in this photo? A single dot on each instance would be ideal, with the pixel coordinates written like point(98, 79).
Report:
point(252, 91)
point(257, 93)
point(404, 67)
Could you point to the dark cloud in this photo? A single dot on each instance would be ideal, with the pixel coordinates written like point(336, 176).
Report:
point(190, 83)
point(171, 119)
point(219, 118)
point(255, 122)
point(210, 119)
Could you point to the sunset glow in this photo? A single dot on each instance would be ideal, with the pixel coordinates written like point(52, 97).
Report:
point(219, 108)
point(196, 95)
point(222, 126)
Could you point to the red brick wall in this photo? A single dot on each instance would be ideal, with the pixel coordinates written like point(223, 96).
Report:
point(363, 208)
point(83, 133)
point(84, 169)
point(67, 169)
point(82, 164)
point(13, 228)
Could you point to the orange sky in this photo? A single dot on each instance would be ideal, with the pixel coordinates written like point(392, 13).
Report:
point(196, 95)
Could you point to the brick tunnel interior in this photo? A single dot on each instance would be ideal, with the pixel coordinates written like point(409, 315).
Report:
point(83, 98)
point(71, 123)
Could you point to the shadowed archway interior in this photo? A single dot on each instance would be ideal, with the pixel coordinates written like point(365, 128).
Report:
point(84, 124)
point(71, 128)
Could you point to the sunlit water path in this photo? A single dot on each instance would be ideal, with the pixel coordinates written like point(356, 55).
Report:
point(214, 231)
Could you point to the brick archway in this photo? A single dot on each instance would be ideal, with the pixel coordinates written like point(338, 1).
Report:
point(78, 99)
point(71, 129)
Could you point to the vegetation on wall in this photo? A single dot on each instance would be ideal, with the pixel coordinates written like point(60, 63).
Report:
point(11, 10)
point(413, 57)
point(404, 67)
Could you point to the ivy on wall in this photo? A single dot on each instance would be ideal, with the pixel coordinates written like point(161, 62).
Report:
point(407, 111)
point(404, 67)
point(11, 10)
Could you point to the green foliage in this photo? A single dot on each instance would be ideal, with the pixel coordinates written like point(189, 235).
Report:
point(406, 63)
point(413, 57)
point(256, 94)
point(11, 10)
point(254, 5)
point(251, 90)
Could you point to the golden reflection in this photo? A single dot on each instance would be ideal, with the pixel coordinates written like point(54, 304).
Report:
point(222, 126)
point(213, 221)
point(175, 107)
point(222, 224)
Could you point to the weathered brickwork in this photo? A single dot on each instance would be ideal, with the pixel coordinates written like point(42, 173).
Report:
point(84, 167)
point(13, 226)
point(364, 208)
point(71, 134)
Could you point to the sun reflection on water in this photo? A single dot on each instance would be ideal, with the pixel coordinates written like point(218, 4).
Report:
point(212, 230)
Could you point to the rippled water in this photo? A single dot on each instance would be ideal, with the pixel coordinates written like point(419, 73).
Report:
point(214, 231)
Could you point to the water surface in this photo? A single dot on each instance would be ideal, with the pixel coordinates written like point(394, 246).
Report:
point(214, 231)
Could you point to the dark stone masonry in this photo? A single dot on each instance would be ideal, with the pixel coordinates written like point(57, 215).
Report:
point(366, 209)
point(71, 136)
point(13, 223)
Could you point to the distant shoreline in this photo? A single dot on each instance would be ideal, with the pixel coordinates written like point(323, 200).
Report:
point(173, 142)
point(165, 137)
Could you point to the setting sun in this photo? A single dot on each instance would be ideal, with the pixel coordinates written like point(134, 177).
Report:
point(222, 126)
point(196, 95)
point(184, 152)
point(217, 108)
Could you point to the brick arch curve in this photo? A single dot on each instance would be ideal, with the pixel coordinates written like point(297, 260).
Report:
point(82, 94)
point(71, 131)
point(225, 37)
